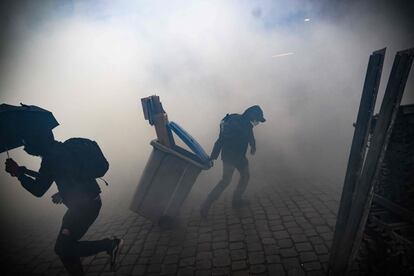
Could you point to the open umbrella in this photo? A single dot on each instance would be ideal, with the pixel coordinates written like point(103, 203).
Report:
point(17, 120)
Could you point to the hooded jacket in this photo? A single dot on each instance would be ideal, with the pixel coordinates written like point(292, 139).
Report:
point(233, 148)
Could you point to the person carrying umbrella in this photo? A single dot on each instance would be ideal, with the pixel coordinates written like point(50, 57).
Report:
point(77, 187)
point(236, 133)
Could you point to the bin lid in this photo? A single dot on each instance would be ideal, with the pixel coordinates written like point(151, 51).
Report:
point(189, 141)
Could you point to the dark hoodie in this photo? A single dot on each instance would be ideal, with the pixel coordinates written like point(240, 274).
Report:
point(234, 147)
point(58, 166)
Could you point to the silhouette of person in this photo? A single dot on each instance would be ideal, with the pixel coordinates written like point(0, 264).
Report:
point(80, 194)
point(236, 134)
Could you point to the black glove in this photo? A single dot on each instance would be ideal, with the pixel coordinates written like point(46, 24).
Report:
point(12, 167)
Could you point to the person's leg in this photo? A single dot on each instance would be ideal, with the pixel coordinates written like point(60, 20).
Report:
point(243, 169)
point(63, 245)
point(75, 224)
point(228, 170)
point(73, 265)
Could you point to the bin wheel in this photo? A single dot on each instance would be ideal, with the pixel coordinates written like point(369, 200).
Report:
point(166, 222)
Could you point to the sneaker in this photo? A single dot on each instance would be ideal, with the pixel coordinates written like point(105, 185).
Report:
point(115, 250)
point(240, 203)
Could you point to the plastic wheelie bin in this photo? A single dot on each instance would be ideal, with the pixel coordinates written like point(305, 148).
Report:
point(168, 178)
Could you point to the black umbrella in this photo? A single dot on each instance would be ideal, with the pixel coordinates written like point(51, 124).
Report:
point(15, 121)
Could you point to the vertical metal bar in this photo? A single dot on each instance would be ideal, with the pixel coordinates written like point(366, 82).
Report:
point(359, 141)
point(363, 193)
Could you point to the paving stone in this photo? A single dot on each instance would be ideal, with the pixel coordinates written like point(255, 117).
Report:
point(124, 270)
point(219, 245)
point(256, 258)
point(271, 249)
point(288, 252)
point(171, 259)
point(281, 234)
point(312, 266)
point(238, 254)
point(303, 246)
point(321, 249)
point(221, 252)
point(308, 256)
point(221, 271)
point(188, 251)
point(154, 268)
point(299, 238)
point(323, 258)
point(186, 271)
point(204, 264)
point(236, 245)
point(187, 261)
point(156, 259)
point(143, 260)
point(277, 227)
point(316, 273)
point(285, 243)
point(204, 255)
point(221, 261)
point(276, 269)
point(310, 233)
point(205, 238)
point(323, 229)
point(327, 236)
point(316, 240)
point(169, 269)
point(204, 247)
point(271, 259)
point(256, 246)
point(267, 241)
point(238, 265)
point(203, 273)
point(240, 273)
point(256, 269)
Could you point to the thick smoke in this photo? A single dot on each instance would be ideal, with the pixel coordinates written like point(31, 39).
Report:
point(90, 63)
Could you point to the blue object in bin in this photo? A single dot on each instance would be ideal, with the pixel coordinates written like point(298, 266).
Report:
point(189, 141)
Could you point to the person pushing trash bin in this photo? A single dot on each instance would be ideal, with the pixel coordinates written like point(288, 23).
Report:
point(74, 165)
point(236, 134)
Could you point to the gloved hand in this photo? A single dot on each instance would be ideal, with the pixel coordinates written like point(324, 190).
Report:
point(252, 150)
point(12, 167)
point(57, 199)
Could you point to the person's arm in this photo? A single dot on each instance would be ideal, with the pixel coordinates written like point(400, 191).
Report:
point(217, 148)
point(252, 142)
point(37, 185)
point(28, 172)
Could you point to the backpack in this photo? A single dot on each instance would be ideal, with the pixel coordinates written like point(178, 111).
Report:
point(231, 127)
point(88, 155)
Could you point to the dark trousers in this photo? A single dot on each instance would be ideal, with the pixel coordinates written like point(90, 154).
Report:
point(75, 224)
point(228, 170)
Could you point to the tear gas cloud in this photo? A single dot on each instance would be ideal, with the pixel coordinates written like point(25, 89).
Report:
point(90, 62)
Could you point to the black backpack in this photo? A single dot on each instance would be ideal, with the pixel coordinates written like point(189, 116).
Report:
point(231, 127)
point(87, 154)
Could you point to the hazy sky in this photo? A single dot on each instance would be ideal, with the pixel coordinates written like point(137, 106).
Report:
point(90, 62)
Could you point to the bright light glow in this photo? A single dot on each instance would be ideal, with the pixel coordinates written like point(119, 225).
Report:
point(306, 19)
point(282, 55)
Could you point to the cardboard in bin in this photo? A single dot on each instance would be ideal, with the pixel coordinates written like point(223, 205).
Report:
point(167, 179)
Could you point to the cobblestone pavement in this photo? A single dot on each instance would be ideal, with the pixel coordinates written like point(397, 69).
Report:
point(286, 230)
